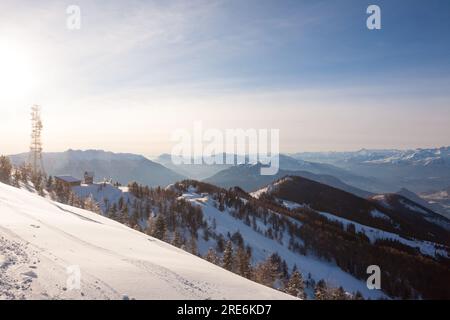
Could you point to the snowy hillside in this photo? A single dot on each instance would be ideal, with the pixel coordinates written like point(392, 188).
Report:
point(40, 239)
point(262, 246)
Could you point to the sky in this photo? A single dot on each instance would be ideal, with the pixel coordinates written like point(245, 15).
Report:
point(137, 70)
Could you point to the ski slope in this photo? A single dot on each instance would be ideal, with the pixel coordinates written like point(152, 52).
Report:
point(40, 239)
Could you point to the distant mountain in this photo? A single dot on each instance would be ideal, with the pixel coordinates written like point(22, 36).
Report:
point(391, 212)
point(249, 178)
point(411, 212)
point(192, 171)
point(423, 201)
point(371, 184)
point(440, 198)
point(419, 170)
point(206, 171)
point(121, 167)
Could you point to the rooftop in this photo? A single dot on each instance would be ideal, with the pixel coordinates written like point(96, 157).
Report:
point(67, 178)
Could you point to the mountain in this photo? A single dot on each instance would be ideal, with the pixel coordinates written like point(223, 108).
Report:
point(291, 224)
point(249, 178)
point(121, 167)
point(267, 231)
point(440, 198)
point(288, 217)
point(426, 202)
point(207, 172)
point(44, 243)
point(202, 222)
point(410, 211)
point(371, 184)
point(192, 171)
point(389, 212)
point(419, 170)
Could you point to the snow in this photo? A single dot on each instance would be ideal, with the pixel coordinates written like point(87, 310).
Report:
point(425, 247)
point(377, 214)
point(270, 188)
point(292, 205)
point(40, 239)
point(381, 198)
point(101, 191)
point(262, 247)
point(413, 208)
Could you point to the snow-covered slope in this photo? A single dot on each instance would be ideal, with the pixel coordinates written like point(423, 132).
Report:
point(40, 239)
point(263, 246)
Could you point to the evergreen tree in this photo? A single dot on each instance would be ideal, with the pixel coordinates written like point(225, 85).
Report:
point(220, 244)
point(194, 249)
point(5, 169)
point(160, 227)
point(228, 256)
point(296, 286)
point(177, 241)
point(320, 291)
point(49, 184)
point(243, 262)
point(358, 296)
point(212, 257)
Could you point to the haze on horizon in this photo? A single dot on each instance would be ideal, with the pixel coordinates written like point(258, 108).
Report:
point(136, 71)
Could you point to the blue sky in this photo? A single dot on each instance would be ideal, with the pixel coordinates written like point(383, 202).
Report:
point(310, 68)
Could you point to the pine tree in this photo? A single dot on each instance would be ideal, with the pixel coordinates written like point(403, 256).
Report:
point(320, 291)
point(358, 296)
point(265, 272)
point(228, 256)
point(5, 169)
point(49, 184)
point(296, 286)
point(220, 244)
point(243, 262)
point(160, 227)
point(194, 249)
point(177, 241)
point(211, 256)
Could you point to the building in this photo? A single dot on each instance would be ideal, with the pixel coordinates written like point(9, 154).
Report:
point(67, 180)
point(88, 177)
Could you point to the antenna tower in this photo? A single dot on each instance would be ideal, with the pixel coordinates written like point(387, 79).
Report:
point(35, 156)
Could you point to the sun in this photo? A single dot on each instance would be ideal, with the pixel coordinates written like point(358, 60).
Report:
point(16, 74)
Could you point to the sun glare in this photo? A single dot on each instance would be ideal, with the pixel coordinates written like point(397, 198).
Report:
point(16, 75)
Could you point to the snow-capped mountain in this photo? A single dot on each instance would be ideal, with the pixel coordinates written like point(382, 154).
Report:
point(421, 156)
point(419, 170)
point(43, 245)
point(417, 157)
point(121, 167)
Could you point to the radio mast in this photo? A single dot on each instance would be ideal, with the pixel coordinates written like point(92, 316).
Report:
point(35, 156)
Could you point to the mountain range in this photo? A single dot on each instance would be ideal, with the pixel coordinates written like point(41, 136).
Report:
point(419, 170)
point(121, 167)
